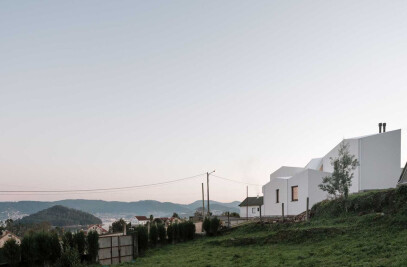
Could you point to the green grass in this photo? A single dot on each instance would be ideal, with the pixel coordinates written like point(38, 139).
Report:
point(348, 239)
point(368, 240)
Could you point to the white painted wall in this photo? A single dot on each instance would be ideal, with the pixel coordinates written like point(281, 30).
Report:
point(269, 196)
point(285, 172)
point(254, 211)
point(380, 160)
point(314, 193)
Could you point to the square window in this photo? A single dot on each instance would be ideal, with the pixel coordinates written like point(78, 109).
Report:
point(294, 193)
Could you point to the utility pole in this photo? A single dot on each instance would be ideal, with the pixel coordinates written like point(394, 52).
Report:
point(207, 188)
point(203, 202)
point(247, 206)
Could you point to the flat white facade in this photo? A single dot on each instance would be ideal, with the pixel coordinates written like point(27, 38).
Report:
point(379, 157)
point(254, 211)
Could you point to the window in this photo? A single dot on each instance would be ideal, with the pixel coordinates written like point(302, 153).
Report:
point(277, 196)
point(258, 209)
point(253, 210)
point(294, 193)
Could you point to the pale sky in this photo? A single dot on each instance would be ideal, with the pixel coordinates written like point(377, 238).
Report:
point(118, 93)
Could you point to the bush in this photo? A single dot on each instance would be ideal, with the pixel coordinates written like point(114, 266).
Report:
point(207, 225)
point(11, 252)
point(55, 248)
point(189, 230)
point(142, 237)
point(67, 240)
point(43, 247)
point(69, 258)
point(93, 245)
point(176, 232)
point(181, 232)
point(214, 226)
point(170, 233)
point(80, 243)
point(28, 250)
point(153, 235)
point(162, 233)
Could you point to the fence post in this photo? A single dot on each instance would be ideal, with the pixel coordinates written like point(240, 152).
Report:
point(282, 210)
point(119, 249)
point(228, 219)
point(307, 213)
point(111, 250)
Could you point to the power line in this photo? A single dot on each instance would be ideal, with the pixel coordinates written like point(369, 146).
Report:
point(235, 181)
point(100, 189)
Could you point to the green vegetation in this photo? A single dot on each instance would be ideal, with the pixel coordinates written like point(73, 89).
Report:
point(60, 216)
point(372, 233)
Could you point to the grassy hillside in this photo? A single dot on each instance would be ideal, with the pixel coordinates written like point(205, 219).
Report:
point(372, 233)
point(60, 216)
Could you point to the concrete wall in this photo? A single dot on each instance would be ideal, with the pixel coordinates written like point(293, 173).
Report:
point(253, 211)
point(114, 249)
point(300, 180)
point(380, 160)
point(314, 193)
point(269, 196)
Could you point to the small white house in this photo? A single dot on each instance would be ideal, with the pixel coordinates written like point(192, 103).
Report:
point(252, 205)
point(379, 157)
point(6, 236)
point(97, 228)
point(139, 220)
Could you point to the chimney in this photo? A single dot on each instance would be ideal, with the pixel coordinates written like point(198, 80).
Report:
point(380, 127)
point(384, 127)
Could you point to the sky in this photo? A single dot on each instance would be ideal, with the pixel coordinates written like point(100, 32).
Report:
point(98, 94)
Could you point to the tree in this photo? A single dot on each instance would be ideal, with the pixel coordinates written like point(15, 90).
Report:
point(161, 232)
point(117, 226)
point(175, 215)
point(80, 242)
point(153, 235)
point(28, 250)
point(142, 236)
point(93, 245)
point(55, 248)
point(340, 181)
point(69, 258)
point(11, 251)
point(43, 247)
point(67, 240)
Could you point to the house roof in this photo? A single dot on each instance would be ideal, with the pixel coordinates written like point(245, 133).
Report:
point(142, 218)
point(98, 226)
point(253, 201)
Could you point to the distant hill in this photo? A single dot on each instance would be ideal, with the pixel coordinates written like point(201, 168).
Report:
point(144, 207)
point(61, 216)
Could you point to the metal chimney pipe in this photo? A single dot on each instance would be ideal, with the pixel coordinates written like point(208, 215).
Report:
point(384, 127)
point(380, 127)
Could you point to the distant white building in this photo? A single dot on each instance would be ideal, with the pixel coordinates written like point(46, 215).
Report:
point(97, 228)
point(139, 220)
point(252, 205)
point(379, 157)
point(6, 236)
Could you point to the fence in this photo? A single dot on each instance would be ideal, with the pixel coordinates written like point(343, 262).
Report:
point(117, 248)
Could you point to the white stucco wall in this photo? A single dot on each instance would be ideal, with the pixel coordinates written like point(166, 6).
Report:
point(354, 150)
point(300, 180)
point(380, 160)
point(314, 193)
point(253, 211)
point(269, 196)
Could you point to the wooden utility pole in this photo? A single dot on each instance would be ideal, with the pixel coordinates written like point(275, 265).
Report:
point(203, 202)
point(260, 213)
point(307, 212)
point(247, 206)
point(282, 210)
point(207, 188)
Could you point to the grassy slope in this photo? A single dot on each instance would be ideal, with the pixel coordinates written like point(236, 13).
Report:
point(352, 239)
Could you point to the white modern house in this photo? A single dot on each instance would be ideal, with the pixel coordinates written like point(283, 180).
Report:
point(251, 206)
point(379, 157)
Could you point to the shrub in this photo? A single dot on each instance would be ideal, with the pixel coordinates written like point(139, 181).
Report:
point(153, 235)
point(67, 240)
point(162, 233)
point(176, 232)
point(142, 237)
point(11, 252)
point(207, 225)
point(43, 247)
point(28, 250)
point(69, 258)
point(181, 232)
point(170, 233)
point(80, 243)
point(189, 230)
point(93, 245)
point(55, 248)
point(214, 226)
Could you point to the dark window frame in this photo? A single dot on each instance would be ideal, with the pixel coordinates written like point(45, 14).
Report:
point(277, 195)
point(292, 193)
